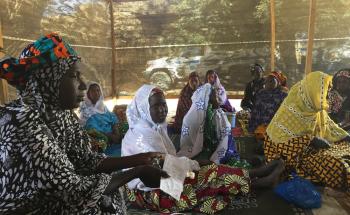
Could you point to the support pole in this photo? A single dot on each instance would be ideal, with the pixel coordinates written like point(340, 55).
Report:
point(114, 54)
point(4, 93)
point(311, 33)
point(273, 33)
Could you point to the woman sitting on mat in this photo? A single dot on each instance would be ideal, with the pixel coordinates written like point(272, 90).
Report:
point(309, 141)
point(213, 185)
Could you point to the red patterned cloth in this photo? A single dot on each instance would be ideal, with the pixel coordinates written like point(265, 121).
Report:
point(209, 192)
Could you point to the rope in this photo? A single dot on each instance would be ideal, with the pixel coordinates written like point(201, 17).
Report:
point(186, 45)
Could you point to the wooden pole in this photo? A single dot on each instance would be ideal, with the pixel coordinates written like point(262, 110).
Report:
point(273, 33)
point(4, 93)
point(311, 33)
point(114, 54)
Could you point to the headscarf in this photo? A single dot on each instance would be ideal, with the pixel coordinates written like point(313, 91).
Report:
point(253, 68)
point(280, 77)
point(193, 75)
point(334, 98)
point(144, 135)
point(220, 90)
point(38, 71)
point(192, 133)
point(304, 112)
point(88, 109)
point(185, 102)
point(54, 141)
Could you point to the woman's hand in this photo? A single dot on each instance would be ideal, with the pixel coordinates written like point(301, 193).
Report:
point(150, 158)
point(151, 175)
point(111, 164)
point(319, 143)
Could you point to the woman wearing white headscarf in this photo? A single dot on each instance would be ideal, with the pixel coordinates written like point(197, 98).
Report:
point(93, 106)
point(213, 186)
point(212, 78)
point(100, 123)
point(206, 126)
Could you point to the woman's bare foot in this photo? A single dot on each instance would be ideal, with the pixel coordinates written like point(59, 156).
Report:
point(264, 170)
point(272, 179)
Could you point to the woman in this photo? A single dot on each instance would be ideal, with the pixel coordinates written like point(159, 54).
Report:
point(210, 191)
point(206, 130)
point(267, 102)
point(46, 164)
point(120, 112)
point(185, 101)
point(253, 87)
point(213, 78)
point(94, 114)
point(339, 96)
point(303, 135)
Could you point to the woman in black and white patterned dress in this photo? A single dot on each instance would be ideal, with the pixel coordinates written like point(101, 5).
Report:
point(46, 165)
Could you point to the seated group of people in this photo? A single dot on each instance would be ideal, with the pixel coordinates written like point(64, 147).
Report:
point(185, 99)
point(48, 167)
point(264, 95)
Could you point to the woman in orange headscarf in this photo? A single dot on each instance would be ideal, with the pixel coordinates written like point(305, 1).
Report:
point(268, 100)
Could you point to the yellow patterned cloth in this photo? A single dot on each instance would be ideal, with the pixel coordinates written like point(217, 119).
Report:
point(331, 167)
point(304, 112)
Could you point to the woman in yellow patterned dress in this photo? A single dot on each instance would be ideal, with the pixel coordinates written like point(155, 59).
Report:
point(303, 135)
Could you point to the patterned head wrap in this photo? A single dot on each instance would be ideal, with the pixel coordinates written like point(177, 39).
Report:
point(39, 69)
point(39, 54)
point(156, 91)
point(282, 79)
point(343, 73)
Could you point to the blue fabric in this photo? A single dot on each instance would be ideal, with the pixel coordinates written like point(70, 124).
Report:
point(102, 122)
point(114, 150)
point(231, 151)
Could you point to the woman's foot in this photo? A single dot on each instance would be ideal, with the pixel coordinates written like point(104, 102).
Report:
point(264, 170)
point(273, 178)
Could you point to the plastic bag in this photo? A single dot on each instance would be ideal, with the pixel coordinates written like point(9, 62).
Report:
point(300, 192)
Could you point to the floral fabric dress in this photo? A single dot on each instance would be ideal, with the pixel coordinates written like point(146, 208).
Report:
point(210, 191)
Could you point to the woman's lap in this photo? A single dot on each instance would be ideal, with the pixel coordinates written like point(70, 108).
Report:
point(209, 192)
point(330, 167)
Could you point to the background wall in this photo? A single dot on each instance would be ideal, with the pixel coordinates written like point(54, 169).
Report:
point(162, 41)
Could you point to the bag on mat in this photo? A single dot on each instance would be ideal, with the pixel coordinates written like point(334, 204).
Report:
point(300, 192)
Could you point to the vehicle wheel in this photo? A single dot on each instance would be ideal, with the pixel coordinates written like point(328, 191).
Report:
point(161, 79)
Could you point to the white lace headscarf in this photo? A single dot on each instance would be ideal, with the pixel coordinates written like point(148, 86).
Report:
point(144, 135)
point(192, 133)
point(88, 109)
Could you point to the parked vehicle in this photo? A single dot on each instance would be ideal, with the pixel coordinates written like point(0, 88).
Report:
point(233, 66)
point(166, 72)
